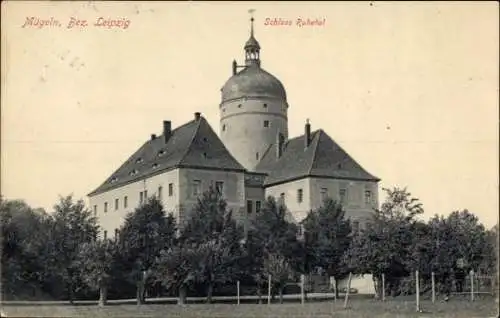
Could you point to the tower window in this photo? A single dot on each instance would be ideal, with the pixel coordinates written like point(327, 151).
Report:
point(265, 105)
point(223, 127)
point(256, 156)
point(266, 123)
point(239, 105)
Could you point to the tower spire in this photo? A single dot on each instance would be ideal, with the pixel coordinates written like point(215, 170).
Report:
point(252, 47)
point(251, 11)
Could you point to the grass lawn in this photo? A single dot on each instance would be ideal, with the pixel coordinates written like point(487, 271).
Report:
point(485, 307)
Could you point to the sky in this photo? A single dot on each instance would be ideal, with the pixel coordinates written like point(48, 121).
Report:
point(409, 90)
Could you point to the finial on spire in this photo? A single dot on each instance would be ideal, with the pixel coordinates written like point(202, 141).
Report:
point(251, 11)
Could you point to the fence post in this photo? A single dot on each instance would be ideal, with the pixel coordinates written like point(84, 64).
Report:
point(417, 290)
point(472, 285)
point(334, 288)
point(433, 284)
point(269, 290)
point(383, 287)
point(302, 279)
point(347, 291)
point(238, 290)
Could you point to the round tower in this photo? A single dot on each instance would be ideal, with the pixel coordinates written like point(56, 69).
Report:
point(253, 110)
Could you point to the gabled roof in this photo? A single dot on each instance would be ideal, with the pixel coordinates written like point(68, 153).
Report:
point(192, 145)
point(322, 158)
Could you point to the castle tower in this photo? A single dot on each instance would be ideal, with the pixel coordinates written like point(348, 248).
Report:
point(253, 110)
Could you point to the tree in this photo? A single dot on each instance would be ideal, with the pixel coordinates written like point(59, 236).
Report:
point(272, 241)
point(385, 245)
point(212, 229)
point(327, 238)
point(24, 242)
point(280, 270)
point(97, 262)
point(145, 233)
point(73, 224)
point(460, 244)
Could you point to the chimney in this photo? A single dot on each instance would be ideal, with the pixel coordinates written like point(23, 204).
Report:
point(307, 134)
point(235, 66)
point(153, 136)
point(280, 141)
point(197, 116)
point(167, 130)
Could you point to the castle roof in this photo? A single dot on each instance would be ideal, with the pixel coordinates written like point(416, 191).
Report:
point(192, 145)
point(322, 158)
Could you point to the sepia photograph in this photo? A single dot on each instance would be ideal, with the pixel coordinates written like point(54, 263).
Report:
point(249, 159)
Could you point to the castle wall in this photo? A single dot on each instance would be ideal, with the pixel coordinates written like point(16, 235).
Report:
point(114, 217)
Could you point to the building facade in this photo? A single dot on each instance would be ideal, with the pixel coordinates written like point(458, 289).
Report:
point(251, 158)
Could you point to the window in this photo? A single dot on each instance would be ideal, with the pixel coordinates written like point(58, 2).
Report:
point(266, 123)
point(256, 156)
point(105, 207)
point(125, 201)
point(145, 195)
point(105, 234)
point(196, 187)
point(265, 105)
point(160, 188)
point(257, 206)
point(368, 197)
point(116, 234)
point(343, 195)
point(299, 195)
point(239, 105)
point(116, 204)
point(170, 189)
point(323, 194)
point(219, 186)
point(141, 197)
point(282, 198)
point(249, 206)
point(139, 160)
point(300, 230)
point(355, 226)
point(223, 127)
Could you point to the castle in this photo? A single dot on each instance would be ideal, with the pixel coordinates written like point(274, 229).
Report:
point(251, 158)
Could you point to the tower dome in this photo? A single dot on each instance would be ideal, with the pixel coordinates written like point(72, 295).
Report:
point(252, 82)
